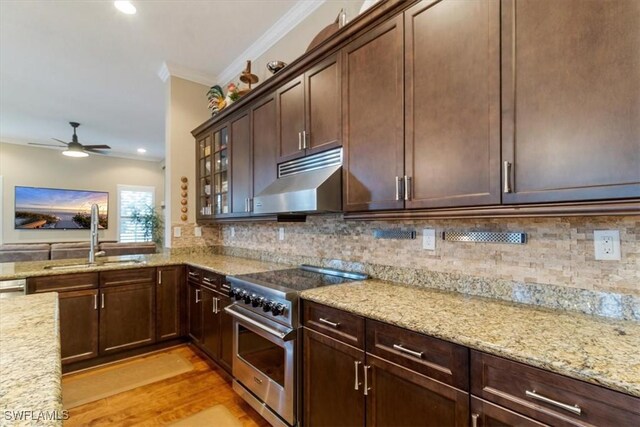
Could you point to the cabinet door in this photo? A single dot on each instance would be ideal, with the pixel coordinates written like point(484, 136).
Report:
point(323, 100)
point(127, 317)
point(78, 325)
point(220, 177)
point(373, 106)
point(194, 309)
point(485, 414)
point(240, 164)
point(226, 334)
point(203, 175)
point(265, 143)
point(168, 301)
point(332, 382)
point(210, 323)
point(570, 103)
point(452, 113)
point(290, 119)
point(401, 397)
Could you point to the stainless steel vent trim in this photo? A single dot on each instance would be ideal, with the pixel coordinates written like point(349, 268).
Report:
point(514, 238)
point(310, 163)
point(394, 234)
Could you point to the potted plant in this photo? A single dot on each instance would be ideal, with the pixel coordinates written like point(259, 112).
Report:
point(151, 222)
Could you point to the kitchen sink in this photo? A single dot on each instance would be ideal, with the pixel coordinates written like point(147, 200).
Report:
point(97, 264)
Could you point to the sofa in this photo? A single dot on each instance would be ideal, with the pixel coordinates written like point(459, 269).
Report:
point(17, 252)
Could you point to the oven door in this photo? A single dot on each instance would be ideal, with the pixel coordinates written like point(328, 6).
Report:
point(263, 360)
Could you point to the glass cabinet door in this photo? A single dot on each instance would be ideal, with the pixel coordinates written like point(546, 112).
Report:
point(220, 172)
point(204, 175)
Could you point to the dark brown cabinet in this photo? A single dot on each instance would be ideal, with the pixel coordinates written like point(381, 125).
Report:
point(365, 388)
point(309, 111)
point(78, 325)
point(194, 311)
point(485, 414)
point(169, 288)
point(570, 106)
point(373, 118)
point(265, 143)
point(127, 316)
point(241, 174)
point(204, 145)
point(452, 104)
point(210, 322)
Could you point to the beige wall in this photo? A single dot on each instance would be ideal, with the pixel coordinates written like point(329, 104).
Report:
point(41, 167)
point(186, 108)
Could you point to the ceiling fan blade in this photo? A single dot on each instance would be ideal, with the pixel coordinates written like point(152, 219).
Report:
point(56, 139)
point(44, 145)
point(97, 147)
point(94, 151)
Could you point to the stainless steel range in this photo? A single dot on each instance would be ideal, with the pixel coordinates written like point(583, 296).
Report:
point(265, 336)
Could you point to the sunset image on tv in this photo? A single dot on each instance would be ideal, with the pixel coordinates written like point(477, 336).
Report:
point(50, 208)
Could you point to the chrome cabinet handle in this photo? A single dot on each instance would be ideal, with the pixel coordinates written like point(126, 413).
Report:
point(207, 281)
point(328, 322)
point(366, 380)
point(299, 141)
point(474, 420)
point(214, 305)
point(192, 274)
point(356, 385)
point(506, 170)
point(95, 301)
point(226, 287)
point(304, 139)
point(574, 409)
point(407, 189)
point(397, 188)
point(405, 350)
point(197, 296)
point(101, 300)
point(159, 277)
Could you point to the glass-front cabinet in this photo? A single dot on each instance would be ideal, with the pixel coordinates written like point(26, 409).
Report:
point(213, 173)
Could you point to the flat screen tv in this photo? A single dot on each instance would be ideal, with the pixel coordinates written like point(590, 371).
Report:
point(58, 209)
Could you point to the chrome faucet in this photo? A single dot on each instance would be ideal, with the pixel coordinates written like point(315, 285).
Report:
point(93, 244)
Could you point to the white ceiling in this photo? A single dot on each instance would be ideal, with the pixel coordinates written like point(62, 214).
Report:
point(85, 61)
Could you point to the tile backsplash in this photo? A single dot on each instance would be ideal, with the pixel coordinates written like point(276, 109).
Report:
point(559, 251)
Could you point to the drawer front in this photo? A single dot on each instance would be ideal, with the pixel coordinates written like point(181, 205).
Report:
point(485, 414)
point(211, 279)
point(127, 277)
point(551, 398)
point(63, 282)
point(435, 358)
point(338, 324)
point(194, 274)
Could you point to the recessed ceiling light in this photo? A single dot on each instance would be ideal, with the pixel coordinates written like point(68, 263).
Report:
point(125, 7)
point(141, 150)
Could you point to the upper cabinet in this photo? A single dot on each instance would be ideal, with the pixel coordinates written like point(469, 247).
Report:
point(452, 104)
point(309, 111)
point(241, 175)
point(265, 143)
point(212, 164)
point(570, 100)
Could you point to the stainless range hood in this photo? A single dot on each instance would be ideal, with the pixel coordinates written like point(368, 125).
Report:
point(312, 184)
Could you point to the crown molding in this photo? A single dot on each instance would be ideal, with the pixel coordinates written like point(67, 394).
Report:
point(170, 69)
point(301, 10)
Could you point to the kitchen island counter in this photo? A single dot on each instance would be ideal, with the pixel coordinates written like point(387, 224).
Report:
point(30, 390)
point(593, 349)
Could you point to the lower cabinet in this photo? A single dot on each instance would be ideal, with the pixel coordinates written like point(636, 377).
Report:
point(127, 317)
point(194, 311)
point(78, 325)
point(210, 322)
point(226, 334)
point(364, 388)
point(169, 290)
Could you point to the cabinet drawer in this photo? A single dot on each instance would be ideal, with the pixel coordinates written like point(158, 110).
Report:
point(211, 279)
point(63, 282)
point(194, 274)
point(435, 358)
point(486, 414)
point(127, 277)
point(338, 324)
point(556, 399)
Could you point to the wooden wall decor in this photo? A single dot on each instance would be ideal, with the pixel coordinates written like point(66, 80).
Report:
point(184, 194)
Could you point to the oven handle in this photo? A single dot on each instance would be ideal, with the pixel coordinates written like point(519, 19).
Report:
point(279, 334)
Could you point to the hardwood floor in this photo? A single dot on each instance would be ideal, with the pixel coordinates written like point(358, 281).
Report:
point(166, 401)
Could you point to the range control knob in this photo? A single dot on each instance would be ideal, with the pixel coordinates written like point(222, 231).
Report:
point(239, 294)
point(248, 298)
point(232, 292)
point(277, 309)
point(266, 305)
point(257, 301)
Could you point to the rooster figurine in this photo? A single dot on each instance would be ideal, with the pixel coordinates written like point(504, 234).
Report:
point(216, 99)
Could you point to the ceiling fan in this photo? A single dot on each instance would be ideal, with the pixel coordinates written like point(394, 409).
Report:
point(74, 148)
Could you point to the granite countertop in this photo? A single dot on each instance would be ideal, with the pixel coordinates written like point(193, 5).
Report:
point(222, 264)
point(596, 350)
point(30, 360)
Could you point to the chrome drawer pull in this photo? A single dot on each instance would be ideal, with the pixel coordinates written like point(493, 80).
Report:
point(397, 188)
point(95, 301)
point(328, 322)
point(197, 296)
point(356, 386)
point(226, 287)
point(192, 274)
point(575, 409)
point(366, 380)
point(506, 171)
point(404, 350)
point(474, 420)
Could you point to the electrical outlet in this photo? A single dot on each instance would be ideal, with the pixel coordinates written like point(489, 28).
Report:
point(197, 231)
point(233, 232)
point(606, 244)
point(429, 239)
point(177, 231)
point(281, 233)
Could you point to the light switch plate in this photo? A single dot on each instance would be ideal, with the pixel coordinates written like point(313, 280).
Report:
point(177, 231)
point(281, 233)
point(197, 231)
point(233, 232)
point(606, 245)
point(429, 239)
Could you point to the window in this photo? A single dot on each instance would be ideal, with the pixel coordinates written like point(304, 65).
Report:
point(130, 199)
